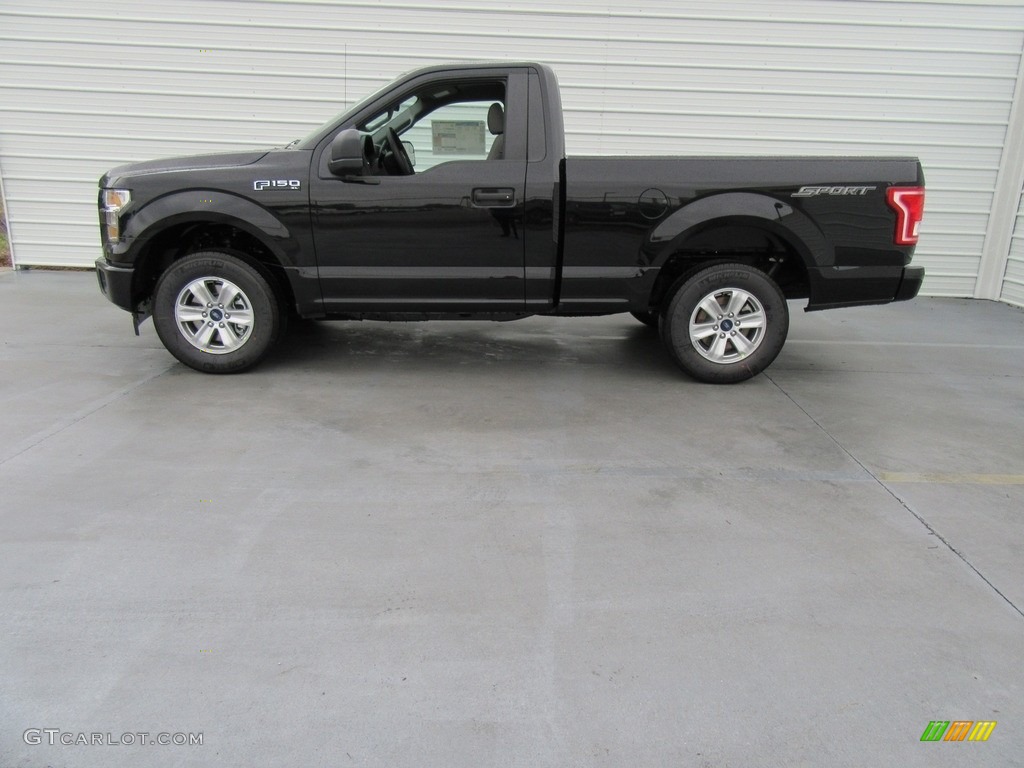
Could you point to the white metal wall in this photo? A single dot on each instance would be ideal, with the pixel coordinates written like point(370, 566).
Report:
point(87, 86)
point(1013, 280)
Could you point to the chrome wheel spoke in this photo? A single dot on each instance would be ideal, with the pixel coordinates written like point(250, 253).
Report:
point(240, 317)
point(710, 306)
point(752, 320)
point(191, 315)
point(228, 337)
point(736, 302)
point(717, 349)
point(203, 336)
point(703, 330)
point(201, 292)
point(742, 344)
point(227, 294)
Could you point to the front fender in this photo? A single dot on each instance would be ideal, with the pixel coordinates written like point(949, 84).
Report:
point(203, 206)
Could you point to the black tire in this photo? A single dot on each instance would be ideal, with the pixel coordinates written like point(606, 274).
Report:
point(647, 318)
point(721, 349)
point(204, 337)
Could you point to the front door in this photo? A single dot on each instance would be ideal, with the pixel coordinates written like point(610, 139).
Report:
point(446, 238)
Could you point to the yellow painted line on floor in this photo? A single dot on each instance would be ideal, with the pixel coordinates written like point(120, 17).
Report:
point(950, 477)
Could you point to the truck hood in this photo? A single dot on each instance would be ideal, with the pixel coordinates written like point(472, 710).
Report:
point(123, 173)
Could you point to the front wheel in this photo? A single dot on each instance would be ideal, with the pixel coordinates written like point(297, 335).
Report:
point(726, 323)
point(215, 313)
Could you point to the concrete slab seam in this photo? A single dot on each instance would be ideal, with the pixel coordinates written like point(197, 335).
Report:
point(931, 529)
point(41, 437)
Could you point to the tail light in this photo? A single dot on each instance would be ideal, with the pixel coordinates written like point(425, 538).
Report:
point(908, 202)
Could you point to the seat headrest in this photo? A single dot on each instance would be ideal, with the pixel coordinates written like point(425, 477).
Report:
point(496, 119)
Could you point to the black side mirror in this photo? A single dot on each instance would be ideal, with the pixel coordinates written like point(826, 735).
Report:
point(347, 157)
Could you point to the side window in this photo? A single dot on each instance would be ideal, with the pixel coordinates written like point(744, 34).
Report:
point(442, 122)
point(458, 131)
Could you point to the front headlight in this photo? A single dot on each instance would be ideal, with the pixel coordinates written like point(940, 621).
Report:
point(115, 201)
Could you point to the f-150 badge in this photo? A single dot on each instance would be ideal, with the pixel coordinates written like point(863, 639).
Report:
point(276, 184)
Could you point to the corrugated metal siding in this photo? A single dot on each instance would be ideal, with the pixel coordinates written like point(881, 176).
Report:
point(83, 88)
point(1013, 280)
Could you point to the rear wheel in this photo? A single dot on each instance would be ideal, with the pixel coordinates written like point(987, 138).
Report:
point(216, 313)
point(726, 323)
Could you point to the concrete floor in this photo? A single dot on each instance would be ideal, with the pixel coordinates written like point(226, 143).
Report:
point(526, 544)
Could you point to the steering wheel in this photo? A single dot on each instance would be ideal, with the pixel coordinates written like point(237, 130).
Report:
point(399, 153)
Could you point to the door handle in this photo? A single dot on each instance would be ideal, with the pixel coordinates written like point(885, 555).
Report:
point(491, 197)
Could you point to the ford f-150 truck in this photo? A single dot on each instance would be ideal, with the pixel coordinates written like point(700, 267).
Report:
point(448, 195)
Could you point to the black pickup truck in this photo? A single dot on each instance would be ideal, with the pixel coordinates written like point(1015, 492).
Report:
point(488, 219)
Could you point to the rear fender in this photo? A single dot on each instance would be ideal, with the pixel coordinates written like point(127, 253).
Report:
point(669, 237)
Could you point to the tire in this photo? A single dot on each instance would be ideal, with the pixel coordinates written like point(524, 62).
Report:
point(195, 325)
point(649, 319)
point(725, 324)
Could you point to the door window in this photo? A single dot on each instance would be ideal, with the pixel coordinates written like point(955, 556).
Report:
point(453, 132)
point(444, 122)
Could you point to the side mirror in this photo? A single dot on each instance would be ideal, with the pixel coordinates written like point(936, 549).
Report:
point(346, 154)
point(410, 150)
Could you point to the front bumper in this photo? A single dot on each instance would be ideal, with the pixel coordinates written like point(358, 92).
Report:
point(115, 283)
point(910, 284)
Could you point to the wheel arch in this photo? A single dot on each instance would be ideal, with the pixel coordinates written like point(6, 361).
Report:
point(171, 228)
point(754, 229)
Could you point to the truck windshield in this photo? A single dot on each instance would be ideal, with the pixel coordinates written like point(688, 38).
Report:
point(312, 139)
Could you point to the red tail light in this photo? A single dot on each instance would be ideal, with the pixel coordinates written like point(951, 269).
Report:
point(908, 202)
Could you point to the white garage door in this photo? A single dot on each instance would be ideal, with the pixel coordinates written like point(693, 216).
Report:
point(87, 86)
